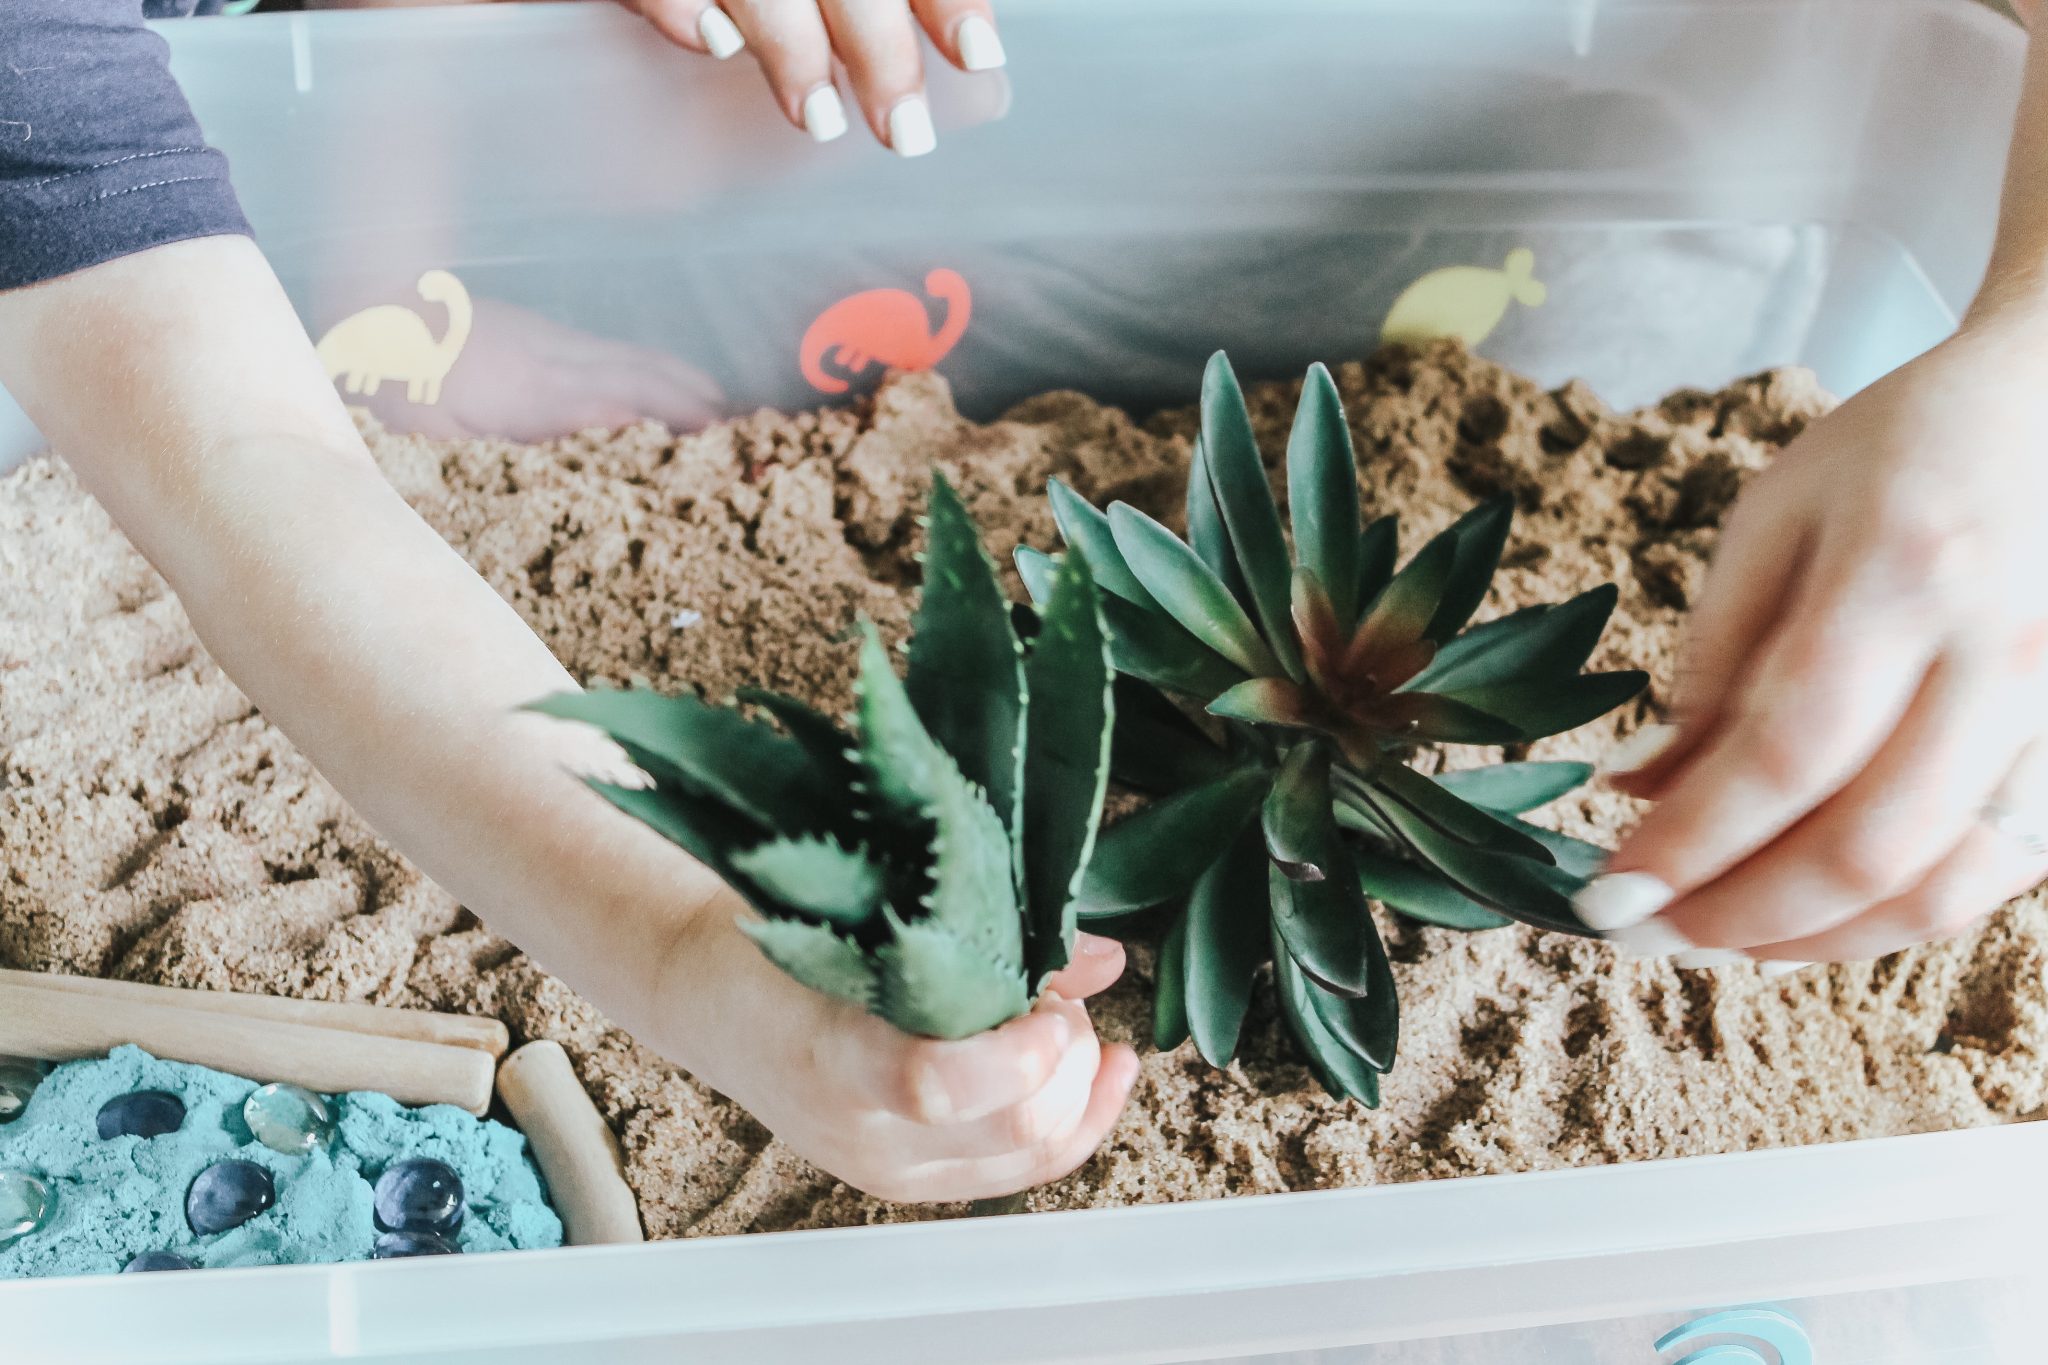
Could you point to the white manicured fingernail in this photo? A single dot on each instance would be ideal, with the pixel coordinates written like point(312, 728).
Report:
point(1639, 750)
point(1707, 959)
point(1781, 967)
point(824, 114)
point(980, 48)
point(1620, 899)
point(722, 37)
point(910, 127)
point(934, 1101)
point(1651, 938)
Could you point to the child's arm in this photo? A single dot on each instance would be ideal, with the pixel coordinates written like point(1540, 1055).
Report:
point(1861, 755)
point(180, 386)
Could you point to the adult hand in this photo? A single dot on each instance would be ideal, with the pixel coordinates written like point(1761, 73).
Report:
point(795, 42)
point(1858, 756)
point(906, 1119)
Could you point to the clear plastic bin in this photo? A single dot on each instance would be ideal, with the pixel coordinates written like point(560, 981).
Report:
point(1708, 187)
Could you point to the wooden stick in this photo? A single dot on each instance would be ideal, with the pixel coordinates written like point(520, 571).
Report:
point(572, 1145)
point(63, 1026)
point(421, 1026)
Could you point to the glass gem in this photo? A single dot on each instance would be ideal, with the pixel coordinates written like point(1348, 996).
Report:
point(18, 1081)
point(228, 1194)
point(141, 1114)
point(158, 1260)
point(393, 1246)
point(27, 1204)
point(289, 1119)
point(422, 1195)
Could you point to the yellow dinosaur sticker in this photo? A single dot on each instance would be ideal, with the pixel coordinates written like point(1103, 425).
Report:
point(390, 344)
point(1464, 301)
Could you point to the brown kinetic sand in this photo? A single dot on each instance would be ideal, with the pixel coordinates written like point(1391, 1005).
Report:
point(153, 827)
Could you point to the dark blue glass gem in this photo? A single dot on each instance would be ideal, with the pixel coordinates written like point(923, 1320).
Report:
point(422, 1195)
point(141, 1114)
point(228, 1194)
point(393, 1246)
point(158, 1260)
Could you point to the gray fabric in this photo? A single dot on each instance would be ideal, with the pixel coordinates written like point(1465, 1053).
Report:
point(99, 154)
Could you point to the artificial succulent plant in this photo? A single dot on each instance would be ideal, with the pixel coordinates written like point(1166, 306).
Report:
point(926, 864)
point(1277, 821)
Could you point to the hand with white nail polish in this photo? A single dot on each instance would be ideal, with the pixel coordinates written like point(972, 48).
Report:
point(1859, 761)
point(797, 41)
point(906, 1119)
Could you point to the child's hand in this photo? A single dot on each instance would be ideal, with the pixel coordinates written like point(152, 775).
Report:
point(876, 40)
point(1861, 755)
point(902, 1118)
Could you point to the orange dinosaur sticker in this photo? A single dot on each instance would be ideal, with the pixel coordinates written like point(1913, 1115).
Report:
point(891, 327)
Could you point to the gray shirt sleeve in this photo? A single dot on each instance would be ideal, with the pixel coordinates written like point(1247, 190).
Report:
point(99, 154)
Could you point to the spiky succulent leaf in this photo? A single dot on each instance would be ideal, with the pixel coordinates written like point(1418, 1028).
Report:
point(1420, 894)
point(1189, 590)
point(702, 826)
point(1511, 788)
point(1207, 534)
point(935, 983)
point(1066, 764)
point(898, 760)
point(1433, 719)
point(1379, 546)
point(830, 748)
point(1533, 643)
point(1268, 701)
point(1154, 855)
point(1170, 989)
point(1237, 475)
point(1322, 493)
point(966, 675)
point(1458, 819)
point(1402, 613)
point(1479, 537)
point(1341, 1072)
point(764, 775)
point(1153, 646)
point(1156, 749)
point(1552, 706)
point(1086, 529)
point(1326, 924)
point(1535, 893)
point(816, 957)
point(1226, 944)
point(1037, 569)
point(817, 876)
point(1297, 811)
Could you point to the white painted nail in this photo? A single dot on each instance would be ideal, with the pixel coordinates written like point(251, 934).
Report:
point(1639, 750)
point(824, 114)
point(980, 47)
point(1651, 938)
point(721, 35)
point(1776, 968)
point(1709, 959)
point(910, 127)
point(1620, 899)
point(934, 1100)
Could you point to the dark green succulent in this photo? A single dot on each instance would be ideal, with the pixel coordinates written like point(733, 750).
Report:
point(926, 865)
point(1322, 670)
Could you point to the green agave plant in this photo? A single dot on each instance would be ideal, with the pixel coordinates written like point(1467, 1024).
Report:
point(1322, 669)
point(925, 866)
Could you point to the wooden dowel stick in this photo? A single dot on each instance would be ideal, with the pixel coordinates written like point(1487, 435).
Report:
point(572, 1145)
point(421, 1026)
point(63, 1026)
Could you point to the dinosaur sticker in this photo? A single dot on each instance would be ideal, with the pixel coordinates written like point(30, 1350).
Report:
point(890, 327)
point(1464, 301)
point(391, 344)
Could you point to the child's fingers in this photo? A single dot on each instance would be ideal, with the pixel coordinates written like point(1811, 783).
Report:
point(699, 25)
point(937, 1083)
point(1046, 1118)
point(877, 41)
point(965, 30)
point(1097, 963)
point(1034, 1166)
point(788, 38)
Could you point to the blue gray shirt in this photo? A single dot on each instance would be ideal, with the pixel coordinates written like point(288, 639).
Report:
point(99, 154)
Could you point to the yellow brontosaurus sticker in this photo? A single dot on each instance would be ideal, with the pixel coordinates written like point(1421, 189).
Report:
point(1464, 301)
point(391, 344)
